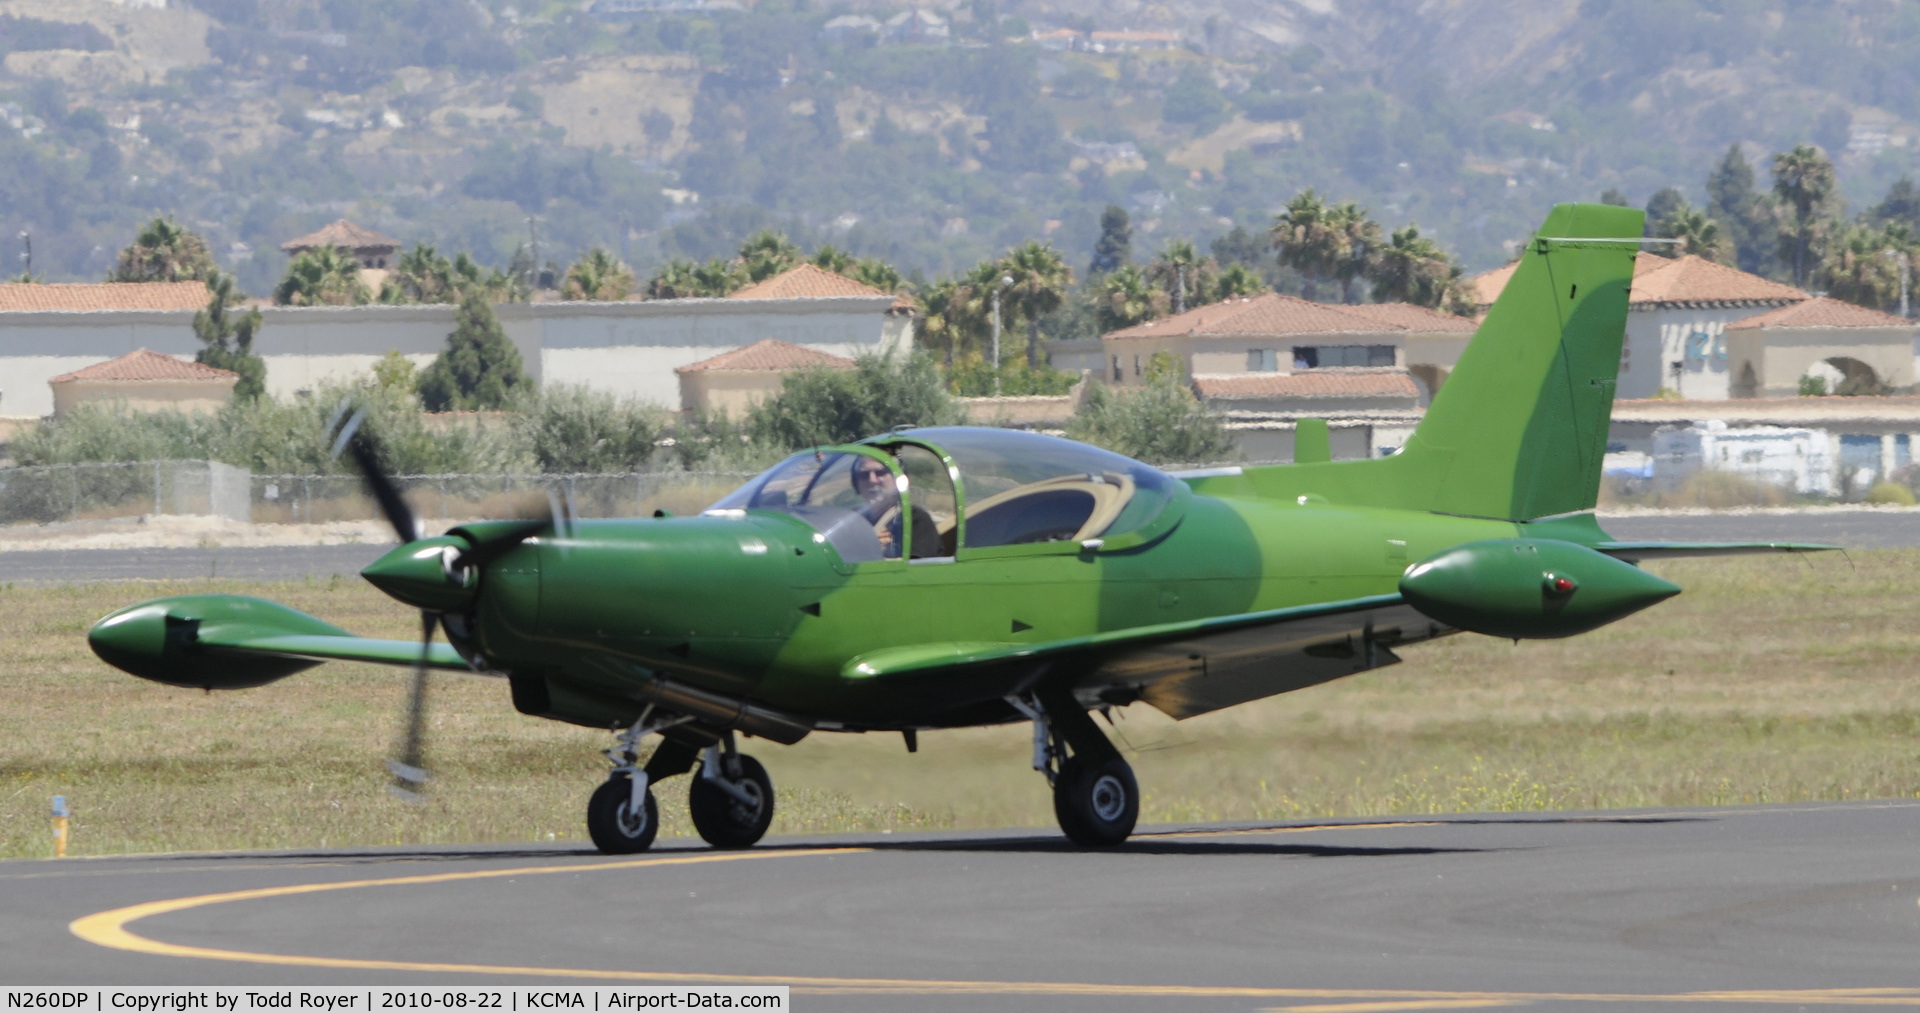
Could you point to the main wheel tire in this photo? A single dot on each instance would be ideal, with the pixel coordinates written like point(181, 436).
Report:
point(1097, 804)
point(725, 821)
point(611, 822)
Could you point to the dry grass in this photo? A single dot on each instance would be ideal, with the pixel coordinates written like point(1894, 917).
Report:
point(1770, 680)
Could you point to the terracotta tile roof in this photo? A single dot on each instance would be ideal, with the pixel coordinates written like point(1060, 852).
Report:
point(112, 295)
point(1821, 312)
point(343, 235)
point(1657, 280)
point(768, 355)
point(1691, 279)
point(1417, 319)
point(1488, 286)
point(1272, 313)
point(1321, 383)
point(146, 364)
point(805, 282)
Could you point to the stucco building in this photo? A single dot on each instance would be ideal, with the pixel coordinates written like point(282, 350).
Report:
point(733, 382)
point(145, 380)
point(628, 347)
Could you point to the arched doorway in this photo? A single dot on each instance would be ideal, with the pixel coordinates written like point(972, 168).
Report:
point(1747, 382)
point(1856, 377)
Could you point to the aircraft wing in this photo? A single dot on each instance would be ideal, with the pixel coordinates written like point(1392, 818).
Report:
point(1633, 552)
point(1196, 666)
point(321, 647)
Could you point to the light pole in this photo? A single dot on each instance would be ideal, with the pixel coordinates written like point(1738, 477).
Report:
point(1005, 280)
point(1906, 267)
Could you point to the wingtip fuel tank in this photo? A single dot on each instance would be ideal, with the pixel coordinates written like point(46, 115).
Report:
point(1529, 588)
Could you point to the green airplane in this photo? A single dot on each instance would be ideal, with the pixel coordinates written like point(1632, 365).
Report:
point(952, 577)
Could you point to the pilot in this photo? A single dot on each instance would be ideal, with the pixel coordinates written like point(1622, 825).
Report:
point(881, 507)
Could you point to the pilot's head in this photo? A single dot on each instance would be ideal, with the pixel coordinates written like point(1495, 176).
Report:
point(871, 479)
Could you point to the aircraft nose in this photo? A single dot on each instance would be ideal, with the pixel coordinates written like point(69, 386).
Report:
point(426, 574)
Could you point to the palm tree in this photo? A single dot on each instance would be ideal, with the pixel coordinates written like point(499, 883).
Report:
point(1040, 280)
point(1358, 243)
point(767, 253)
point(878, 273)
point(717, 279)
point(1184, 274)
point(164, 251)
point(598, 275)
point(1699, 235)
point(828, 258)
point(1238, 281)
point(944, 327)
point(1856, 267)
point(322, 276)
point(674, 280)
point(1127, 298)
point(1803, 178)
point(1411, 268)
point(1307, 240)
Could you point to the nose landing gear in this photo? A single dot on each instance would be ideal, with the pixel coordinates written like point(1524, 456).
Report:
point(731, 801)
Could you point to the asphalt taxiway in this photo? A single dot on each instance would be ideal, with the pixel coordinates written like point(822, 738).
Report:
point(1809, 906)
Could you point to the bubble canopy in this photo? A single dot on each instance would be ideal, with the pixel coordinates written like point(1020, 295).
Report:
point(998, 487)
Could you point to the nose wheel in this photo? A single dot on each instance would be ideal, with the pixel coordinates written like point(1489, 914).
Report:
point(617, 825)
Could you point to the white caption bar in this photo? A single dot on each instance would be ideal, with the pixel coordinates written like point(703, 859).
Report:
point(370, 999)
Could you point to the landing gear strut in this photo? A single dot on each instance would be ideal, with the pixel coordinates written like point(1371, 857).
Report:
point(1095, 796)
point(621, 816)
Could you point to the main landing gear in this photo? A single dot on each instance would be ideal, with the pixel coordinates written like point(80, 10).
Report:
point(730, 800)
point(1095, 797)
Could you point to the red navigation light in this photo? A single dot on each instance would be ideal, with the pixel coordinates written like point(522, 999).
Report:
point(1562, 585)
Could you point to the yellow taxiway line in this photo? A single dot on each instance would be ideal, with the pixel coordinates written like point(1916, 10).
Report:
point(109, 929)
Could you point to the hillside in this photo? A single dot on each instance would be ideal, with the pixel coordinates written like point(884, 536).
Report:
point(932, 140)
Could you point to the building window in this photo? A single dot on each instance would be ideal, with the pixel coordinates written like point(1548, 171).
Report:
point(1136, 365)
point(1328, 356)
point(1263, 360)
point(1118, 373)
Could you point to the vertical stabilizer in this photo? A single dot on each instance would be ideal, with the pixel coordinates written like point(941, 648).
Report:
point(1519, 429)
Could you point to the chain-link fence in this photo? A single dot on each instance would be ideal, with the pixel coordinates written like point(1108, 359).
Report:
point(69, 492)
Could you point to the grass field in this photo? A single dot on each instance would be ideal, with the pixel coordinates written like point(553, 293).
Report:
point(1771, 679)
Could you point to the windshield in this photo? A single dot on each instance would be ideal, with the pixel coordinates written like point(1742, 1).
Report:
point(1021, 488)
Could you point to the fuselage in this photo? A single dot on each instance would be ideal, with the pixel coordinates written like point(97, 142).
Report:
point(754, 605)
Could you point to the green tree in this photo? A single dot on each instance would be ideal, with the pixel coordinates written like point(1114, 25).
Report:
point(1357, 246)
point(1310, 236)
point(1662, 205)
point(1040, 281)
point(1183, 274)
point(394, 371)
point(1237, 281)
point(688, 279)
point(1857, 267)
point(767, 253)
point(878, 273)
point(1803, 180)
point(830, 258)
point(480, 369)
point(322, 277)
point(164, 251)
point(575, 429)
point(1698, 235)
point(227, 343)
point(1414, 269)
point(423, 275)
point(816, 407)
point(1194, 98)
point(947, 326)
point(1115, 246)
point(1733, 202)
point(1127, 298)
point(1901, 204)
point(1160, 423)
point(598, 275)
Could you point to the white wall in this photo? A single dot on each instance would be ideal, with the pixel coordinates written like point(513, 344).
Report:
point(629, 348)
point(1659, 337)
